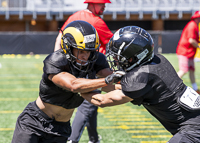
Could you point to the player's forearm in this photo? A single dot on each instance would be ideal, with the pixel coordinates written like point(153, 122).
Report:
point(112, 98)
point(86, 85)
point(95, 98)
point(109, 88)
point(88, 97)
point(71, 83)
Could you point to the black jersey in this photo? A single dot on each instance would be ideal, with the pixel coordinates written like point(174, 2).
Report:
point(56, 63)
point(157, 86)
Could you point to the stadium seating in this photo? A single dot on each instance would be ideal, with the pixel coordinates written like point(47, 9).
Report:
point(154, 7)
point(59, 7)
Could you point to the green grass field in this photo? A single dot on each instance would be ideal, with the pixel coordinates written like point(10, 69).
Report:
point(19, 82)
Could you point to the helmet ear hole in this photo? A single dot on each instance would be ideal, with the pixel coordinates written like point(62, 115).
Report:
point(132, 60)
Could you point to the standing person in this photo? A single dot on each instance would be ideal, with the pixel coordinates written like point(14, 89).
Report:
point(187, 47)
point(86, 114)
point(66, 73)
point(91, 15)
point(151, 81)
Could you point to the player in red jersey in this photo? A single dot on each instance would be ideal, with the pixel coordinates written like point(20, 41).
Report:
point(186, 49)
point(92, 14)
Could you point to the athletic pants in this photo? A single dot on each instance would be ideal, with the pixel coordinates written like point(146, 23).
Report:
point(86, 115)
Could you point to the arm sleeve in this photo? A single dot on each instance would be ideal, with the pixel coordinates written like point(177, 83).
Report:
point(54, 64)
point(104, 32)
point(136, 90)
point(192, 31)
point(134, 84)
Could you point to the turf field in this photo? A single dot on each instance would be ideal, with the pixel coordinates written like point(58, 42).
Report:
point(19, 81)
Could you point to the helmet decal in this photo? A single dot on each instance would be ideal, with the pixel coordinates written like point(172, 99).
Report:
point(143, 54)
point(89, 38)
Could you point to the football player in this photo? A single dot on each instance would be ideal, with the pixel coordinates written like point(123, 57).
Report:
point(66, 73)
point(151, 81)
point(86, 115)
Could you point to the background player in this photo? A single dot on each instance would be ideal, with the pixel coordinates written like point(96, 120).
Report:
point(91, 15)
point(187, 47)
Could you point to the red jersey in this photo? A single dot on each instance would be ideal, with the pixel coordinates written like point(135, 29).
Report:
point(102, 29)
point(184, 47)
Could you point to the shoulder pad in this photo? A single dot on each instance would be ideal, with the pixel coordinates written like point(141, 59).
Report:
point(136, 79)
point(55, 63)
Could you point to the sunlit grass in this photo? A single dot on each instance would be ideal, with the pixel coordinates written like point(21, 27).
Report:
point(19, 83)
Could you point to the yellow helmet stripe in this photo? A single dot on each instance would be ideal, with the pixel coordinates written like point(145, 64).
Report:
point(97, 40)
point(78, 36)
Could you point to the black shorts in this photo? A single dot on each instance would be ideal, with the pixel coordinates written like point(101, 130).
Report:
point(34, 126)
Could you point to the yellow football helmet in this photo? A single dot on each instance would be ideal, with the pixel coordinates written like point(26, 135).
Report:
point(82, 36)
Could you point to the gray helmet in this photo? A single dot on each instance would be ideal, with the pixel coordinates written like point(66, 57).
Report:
point(130, 42)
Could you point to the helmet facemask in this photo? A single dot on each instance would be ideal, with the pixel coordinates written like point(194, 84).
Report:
point(117, 61)
point(82, 65)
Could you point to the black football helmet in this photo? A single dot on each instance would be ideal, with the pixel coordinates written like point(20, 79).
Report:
point(82, 36)
point(130, 42)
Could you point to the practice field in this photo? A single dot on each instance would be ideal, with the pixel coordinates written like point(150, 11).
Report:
point(19, 83)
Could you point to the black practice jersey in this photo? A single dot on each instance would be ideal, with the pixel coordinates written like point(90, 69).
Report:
point(56, 63)
point(157, 86)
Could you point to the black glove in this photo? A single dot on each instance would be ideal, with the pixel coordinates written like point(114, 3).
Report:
point(114, 77)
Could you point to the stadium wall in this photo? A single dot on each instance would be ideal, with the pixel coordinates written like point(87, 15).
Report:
point(27, 42)
point(43, 42)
